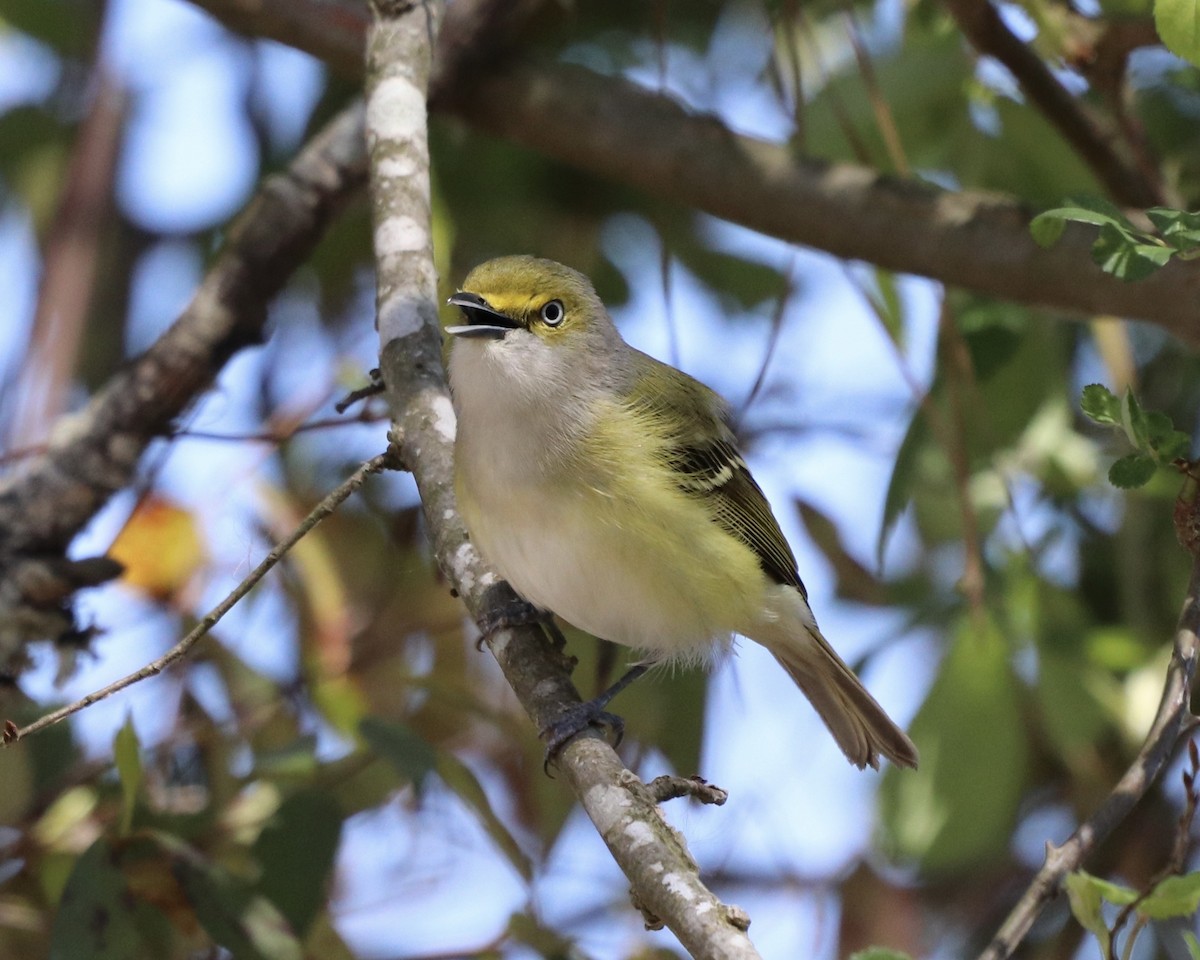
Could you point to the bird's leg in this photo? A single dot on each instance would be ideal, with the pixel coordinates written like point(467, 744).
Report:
point(591, 713)
point(510, 611)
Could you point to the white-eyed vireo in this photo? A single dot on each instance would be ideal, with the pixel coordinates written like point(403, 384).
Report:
point(606, 487)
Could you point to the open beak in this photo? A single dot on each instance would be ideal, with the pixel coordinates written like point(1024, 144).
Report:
point(482, 319)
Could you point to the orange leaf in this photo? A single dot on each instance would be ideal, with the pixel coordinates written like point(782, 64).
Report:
point(160, 547)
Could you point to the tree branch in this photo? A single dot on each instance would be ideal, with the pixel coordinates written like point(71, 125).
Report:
point(982, 25)
point(322, 510)
point(616, 130)
point(664, 878)
point(93, 454)
point(1137, 780)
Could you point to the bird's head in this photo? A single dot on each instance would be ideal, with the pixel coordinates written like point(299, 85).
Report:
point(512, 298)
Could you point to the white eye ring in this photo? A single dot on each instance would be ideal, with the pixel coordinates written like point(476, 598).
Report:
point(552, 313)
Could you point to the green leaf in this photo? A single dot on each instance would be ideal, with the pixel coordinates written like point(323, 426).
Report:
point(1086, 903)
point(1178, 24)
point(1131, 471)
point(127, 755)
point(412, 757)
point(1133, 421)
point(1193, 945)
point(459, 778)
point(1047, 227)
point(888, 304)
point(238, 919)
point(1166, 442)
point(879, 953)
point(991, 348)
point(1118, 252)
point(1177, 896)
point(97, 917)
point(956, 811)
point(296, 851)
point(1179, 228)
point(1100, 404)
point(904, 472)
point(1094, 210)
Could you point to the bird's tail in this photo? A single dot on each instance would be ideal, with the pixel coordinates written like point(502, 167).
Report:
point(858, 723)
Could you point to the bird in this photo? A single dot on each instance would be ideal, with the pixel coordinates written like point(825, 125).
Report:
point(607, 488)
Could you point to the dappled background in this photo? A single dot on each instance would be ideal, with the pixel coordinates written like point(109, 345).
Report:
point(340, 748)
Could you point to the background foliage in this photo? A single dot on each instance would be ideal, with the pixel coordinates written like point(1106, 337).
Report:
point(339, 773)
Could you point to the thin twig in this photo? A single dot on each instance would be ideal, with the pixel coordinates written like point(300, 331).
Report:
point(1137, 780)
point(281, 436)
point(177, 652)
point(781, 304)
point(1174, 864)
point(885, 122)
point(672, 788)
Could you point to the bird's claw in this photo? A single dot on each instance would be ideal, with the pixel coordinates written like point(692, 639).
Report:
point(515, 612)
point(574, 720)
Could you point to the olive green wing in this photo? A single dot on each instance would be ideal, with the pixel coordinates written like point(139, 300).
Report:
point(715, 472)
point(704, 457)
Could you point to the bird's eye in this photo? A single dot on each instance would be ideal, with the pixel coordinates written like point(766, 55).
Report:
point(552, 313)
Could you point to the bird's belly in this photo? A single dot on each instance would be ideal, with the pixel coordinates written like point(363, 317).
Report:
point(645, 589)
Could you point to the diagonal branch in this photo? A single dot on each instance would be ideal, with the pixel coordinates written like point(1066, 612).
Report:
point(183, 647)
point(988, 33)
point(94, 453)
point(617, 130)
point(1157, 748)
point(664, 878)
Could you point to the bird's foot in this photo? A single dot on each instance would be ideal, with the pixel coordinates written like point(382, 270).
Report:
point(575, 719)
point(511, 612)
point(591, 713)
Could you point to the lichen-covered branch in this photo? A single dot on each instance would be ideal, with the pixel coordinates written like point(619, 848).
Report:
point(665, 880)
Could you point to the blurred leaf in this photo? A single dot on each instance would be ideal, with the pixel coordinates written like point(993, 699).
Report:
point(1193, 945)
point(991, 348)
point(97, 919)
point(879, 953)
point(1178, 23)
point(296, 850)
point(325, 943)
point(66, 817)
point(1176, 896)
point(549, 944)
point(854, 581)
point(887, 304)
point(459, 778)
point(160, 547)
point(67, 26)
point(270, 721)
point(955, 812)
point(412, 757)
point(244, 923)
point(127, 756)
point(1074, 714)
point(17, 776)
point(1086, 903)
point(747, 282)
point(904, 474)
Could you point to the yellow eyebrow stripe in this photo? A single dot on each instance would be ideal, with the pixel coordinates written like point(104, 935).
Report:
point(513, 304)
